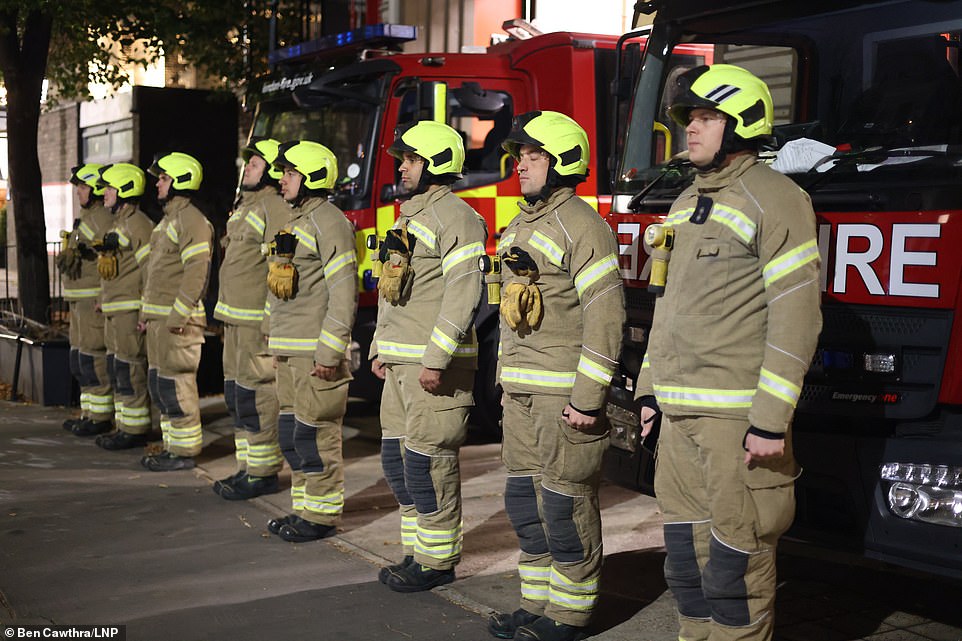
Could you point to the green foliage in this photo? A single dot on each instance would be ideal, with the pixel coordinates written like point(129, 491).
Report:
point(228, 38)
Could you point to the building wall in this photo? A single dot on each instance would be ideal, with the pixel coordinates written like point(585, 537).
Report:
point(449, 25)
point(58, 149)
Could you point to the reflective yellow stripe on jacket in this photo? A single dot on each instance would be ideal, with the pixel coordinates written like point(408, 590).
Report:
point(121, 306)
point(703, 397)
point(538, 377)
point(238, 313)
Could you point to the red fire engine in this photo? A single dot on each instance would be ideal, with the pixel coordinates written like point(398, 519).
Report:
point(350, 91)
point(868, 105)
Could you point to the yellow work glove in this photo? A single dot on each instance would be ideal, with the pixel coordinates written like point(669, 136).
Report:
point(394, 273)
point(107, 265)
point(521, 306)
point(68, 260)
point(535, 308)
point(282, 279)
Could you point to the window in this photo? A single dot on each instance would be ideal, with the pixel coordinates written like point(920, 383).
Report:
point(108, 143)
point(774, 65)
point(483, 118)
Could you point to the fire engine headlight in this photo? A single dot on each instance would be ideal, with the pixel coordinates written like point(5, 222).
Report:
point(879, 363)
point(926, 493)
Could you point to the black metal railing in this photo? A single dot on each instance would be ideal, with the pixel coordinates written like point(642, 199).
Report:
point(9, 283)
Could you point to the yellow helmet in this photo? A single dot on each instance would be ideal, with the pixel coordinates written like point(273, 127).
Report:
point(127, 179)
point(441, 146)
point(183, 168)
point(87, 174)
point(558, 135)
point(734, 91)
point(312, 160)
point(266, 148)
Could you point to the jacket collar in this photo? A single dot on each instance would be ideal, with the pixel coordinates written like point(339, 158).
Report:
point(531, 213)
point(176, 204)
point(420, 202)
point(125, 211)
point(717, 179)
point(250, 198)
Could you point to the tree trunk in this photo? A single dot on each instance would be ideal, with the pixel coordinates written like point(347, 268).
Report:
point(23, 70)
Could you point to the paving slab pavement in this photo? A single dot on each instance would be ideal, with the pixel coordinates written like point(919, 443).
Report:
point(88, 536)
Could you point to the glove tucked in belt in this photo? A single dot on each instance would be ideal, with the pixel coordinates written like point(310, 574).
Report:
point(521, 306)
point(107, 265)
point(282, 275)
point(396, 271)
point(107, 256)
point(69, 259)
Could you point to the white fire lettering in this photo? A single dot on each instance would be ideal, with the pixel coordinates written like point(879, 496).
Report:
point(635, 250)
point(899, 258)
point(636, 264)
point(844, 258)
point(902, 257)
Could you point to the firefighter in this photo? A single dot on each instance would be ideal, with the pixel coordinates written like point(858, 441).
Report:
point(172, 312)
point(732, 337)
point(562, 310)
point(426, 351)
point(122, 255)
point(77, 262)
point(312, 279)
point(248, 367)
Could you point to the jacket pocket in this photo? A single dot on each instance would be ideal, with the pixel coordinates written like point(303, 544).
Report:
point(707, 278)
point(771, 495)
point(580, 452)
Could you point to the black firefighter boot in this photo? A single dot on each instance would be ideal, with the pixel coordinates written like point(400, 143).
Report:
point(274, 525)
point(219, 485)
point(547, 629)
point(299, 530)
point(88, 427)
point(167, 462)
point(504, 624)
point(121, 440)
point(385, 572)
point(248, 487)
point(417, 578)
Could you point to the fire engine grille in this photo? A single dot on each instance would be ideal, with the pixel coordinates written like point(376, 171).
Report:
point(838, 383)
point(638, 298)
point(845, 321)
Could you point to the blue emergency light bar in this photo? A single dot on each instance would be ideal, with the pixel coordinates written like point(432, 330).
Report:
point(374, 35)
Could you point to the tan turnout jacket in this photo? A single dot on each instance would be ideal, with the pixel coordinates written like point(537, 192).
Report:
point(317, 321)
point(735, 331)
point(243, 274)
point(574, 350)
point(178, 266)
point(432, 324)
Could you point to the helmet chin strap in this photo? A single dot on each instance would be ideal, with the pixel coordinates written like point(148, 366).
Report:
point(91, 199)
point(262, 182)
point(728, 146)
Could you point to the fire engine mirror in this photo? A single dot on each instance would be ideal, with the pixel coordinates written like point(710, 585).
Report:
point(480, 101)
point(353, 170)
point(388, 193)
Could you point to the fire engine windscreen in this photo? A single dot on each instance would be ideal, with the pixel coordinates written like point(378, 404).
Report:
point(344, 122)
